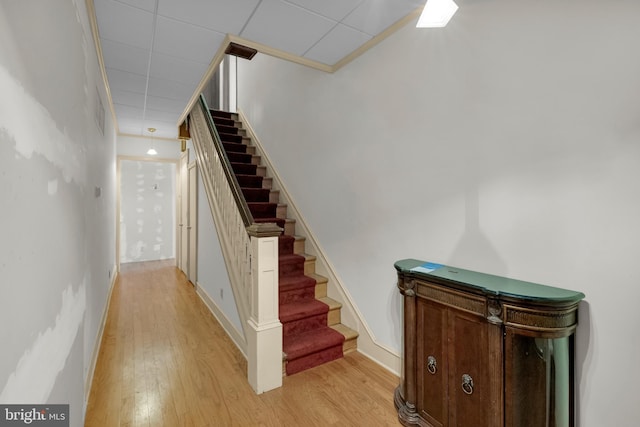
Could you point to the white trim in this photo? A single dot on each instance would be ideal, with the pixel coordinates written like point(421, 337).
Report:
point(88, 381)
point(227, 325)
point(192, 257)
point(93, 22)
point(264, 334)
point(350, 314)
point(184, 154)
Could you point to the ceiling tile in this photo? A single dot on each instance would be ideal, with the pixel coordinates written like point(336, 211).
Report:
point(166, 104)
point(171, 68)
point(134, 26)
point(148, 5)
point(286, 27)
point(340, 42)
point(186, 41)
point(334, 9)
point(171, 89)
point(188, 33)
point(162, 116)
point(129, 112)
point(125, 57)
point(124, 97)
point(225, 16)
point(122, 80)
point(129, 126)
point(374, 16)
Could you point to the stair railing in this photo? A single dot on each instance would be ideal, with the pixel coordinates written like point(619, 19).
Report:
point(250, 252)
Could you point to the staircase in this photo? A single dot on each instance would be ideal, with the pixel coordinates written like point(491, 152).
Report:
point(312, 332)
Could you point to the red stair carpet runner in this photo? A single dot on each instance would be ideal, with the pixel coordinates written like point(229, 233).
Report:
point(307, 340)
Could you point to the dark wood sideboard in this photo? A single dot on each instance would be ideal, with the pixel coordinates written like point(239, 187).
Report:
point(483, 350)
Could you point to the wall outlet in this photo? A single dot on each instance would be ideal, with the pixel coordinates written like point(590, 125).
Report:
point(221, 293)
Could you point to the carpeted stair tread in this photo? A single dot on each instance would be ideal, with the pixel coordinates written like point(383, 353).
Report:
point(285, 244)
point(223, 121)
point(244, 168)
point(249, 181)
point(309, 342)
point(304, 324)
point(296, 289)
point(235, 147)
point(290, 283)
point(220, 113)
point(226, 137)
point(263, 209)
point(256, 194)
point(239, 157)
point(314, 359)
point(231, 130)
point(290, 265)
point(299, 310)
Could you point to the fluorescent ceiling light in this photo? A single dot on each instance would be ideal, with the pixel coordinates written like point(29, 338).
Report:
point(437, 13)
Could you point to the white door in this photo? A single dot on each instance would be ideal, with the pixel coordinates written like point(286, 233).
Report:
point(193, 222)
point(183, 217)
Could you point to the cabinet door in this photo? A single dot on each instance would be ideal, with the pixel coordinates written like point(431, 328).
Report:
point(432, 362)
point(469, 379)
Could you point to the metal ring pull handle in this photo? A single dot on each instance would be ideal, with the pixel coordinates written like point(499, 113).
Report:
point(467, 384)
point(432, 365)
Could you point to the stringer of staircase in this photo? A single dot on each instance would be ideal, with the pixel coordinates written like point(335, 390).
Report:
point(312, 329)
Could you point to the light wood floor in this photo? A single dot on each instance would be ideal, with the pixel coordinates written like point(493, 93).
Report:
point(165, 361)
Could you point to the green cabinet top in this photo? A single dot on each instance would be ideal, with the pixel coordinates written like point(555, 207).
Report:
point(488, 283)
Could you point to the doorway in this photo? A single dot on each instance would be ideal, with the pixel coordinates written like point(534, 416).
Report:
point(188, 218)
point(221, 92)
point(147, 210)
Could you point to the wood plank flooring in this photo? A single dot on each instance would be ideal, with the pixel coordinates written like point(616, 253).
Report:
point(165, 361)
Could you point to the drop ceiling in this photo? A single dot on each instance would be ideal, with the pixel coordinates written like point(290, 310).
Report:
point(157, 52)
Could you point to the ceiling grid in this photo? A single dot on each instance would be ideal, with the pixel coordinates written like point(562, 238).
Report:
point(156, 52)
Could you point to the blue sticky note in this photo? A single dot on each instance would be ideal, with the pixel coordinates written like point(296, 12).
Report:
point(427, 267)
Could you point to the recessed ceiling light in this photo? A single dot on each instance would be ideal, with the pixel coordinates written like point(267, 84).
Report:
point(437, 13)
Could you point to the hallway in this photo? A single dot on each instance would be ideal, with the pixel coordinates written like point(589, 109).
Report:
point(165, 361)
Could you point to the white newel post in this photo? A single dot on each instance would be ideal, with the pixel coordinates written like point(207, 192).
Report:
point(264, 335)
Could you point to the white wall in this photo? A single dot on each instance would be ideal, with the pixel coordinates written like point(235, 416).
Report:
point(505, 143)
point(147, 210)
point(57, 236)
point(212, 271)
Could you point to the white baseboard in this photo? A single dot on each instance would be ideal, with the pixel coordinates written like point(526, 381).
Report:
point(88, 381)
point(237, 337)
point(381, 355)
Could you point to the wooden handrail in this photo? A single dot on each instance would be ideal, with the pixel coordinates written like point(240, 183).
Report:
point(247, 217)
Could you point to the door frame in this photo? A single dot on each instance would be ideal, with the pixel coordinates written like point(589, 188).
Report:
point(192, 224)
point(181, 226)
